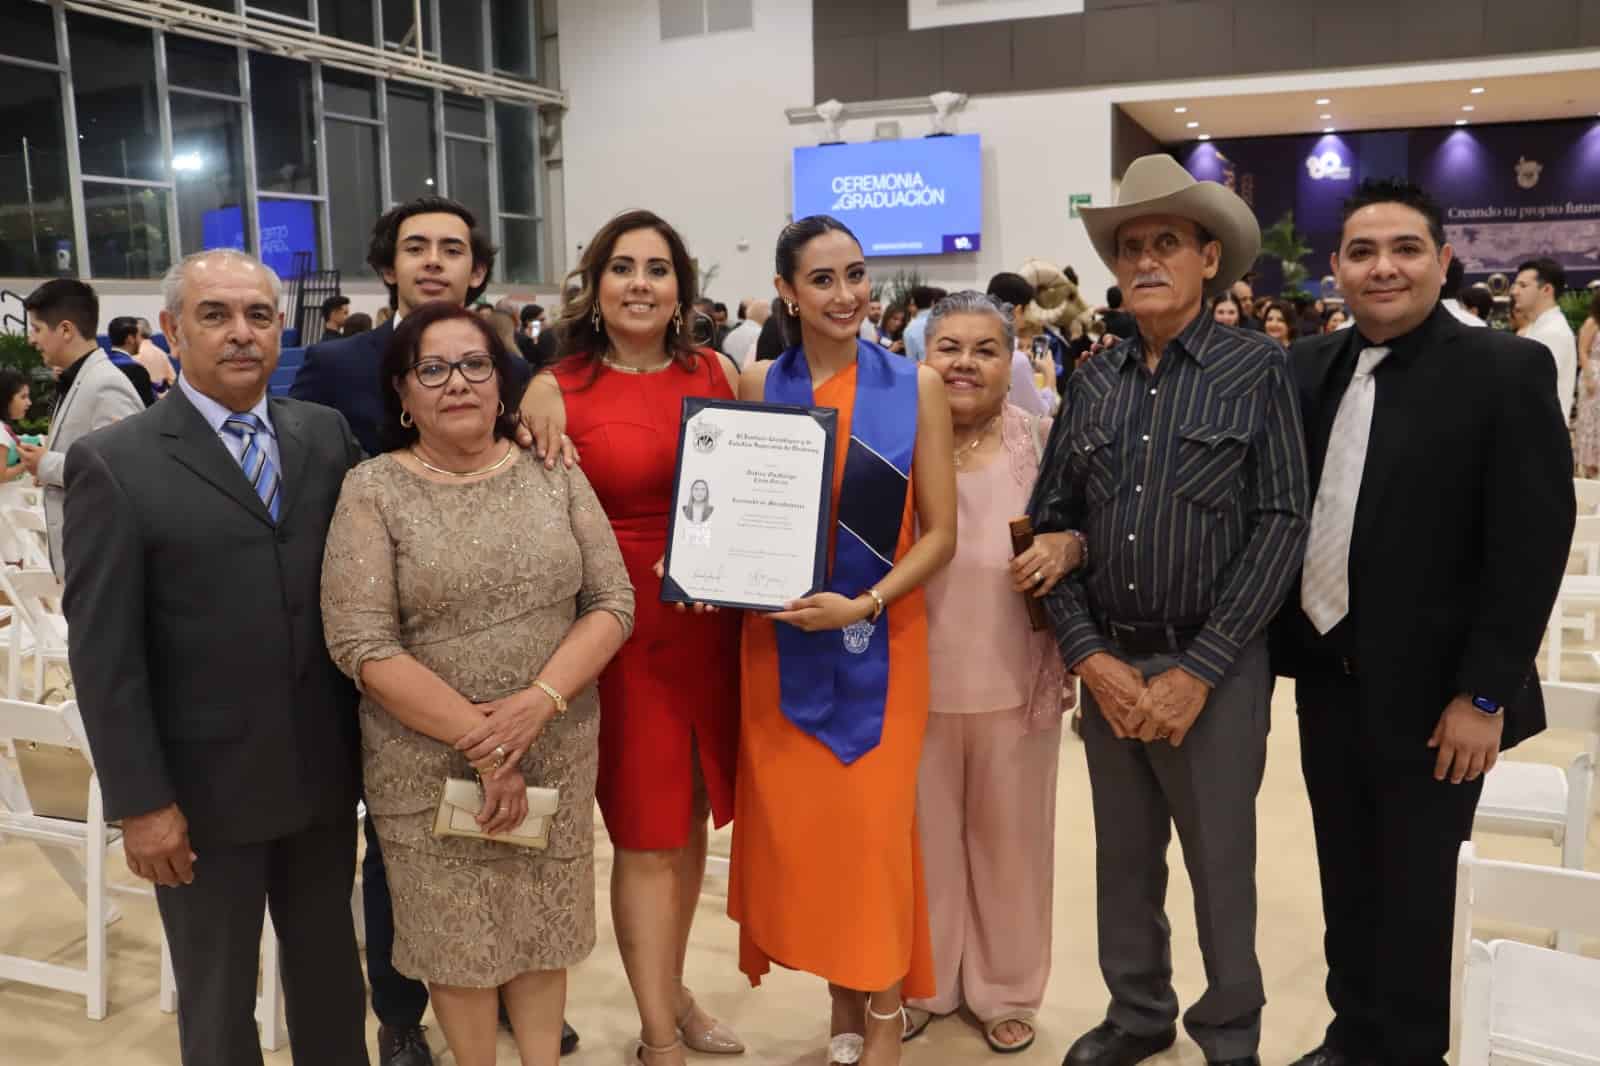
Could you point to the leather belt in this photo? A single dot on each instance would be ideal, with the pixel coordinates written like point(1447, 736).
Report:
point(1150, 638)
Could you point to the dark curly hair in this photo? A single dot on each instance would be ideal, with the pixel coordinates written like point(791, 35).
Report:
point(406, 346)
point(385, 242)
point(576, 332)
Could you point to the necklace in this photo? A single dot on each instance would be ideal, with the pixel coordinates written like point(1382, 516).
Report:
point(491, 468)
point(966, 450)
point(626, 369)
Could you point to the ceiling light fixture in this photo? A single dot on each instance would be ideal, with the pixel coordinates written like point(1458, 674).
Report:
point(1180, 111)
point(1324, 117)
point(1205, 136)
point(1323, 102)
point(1192, 125)
point(1476, 90)
point(1468, 107)
point(1327, 129)
point(1461, 122)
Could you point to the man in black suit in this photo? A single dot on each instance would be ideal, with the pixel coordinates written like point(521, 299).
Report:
point(224, 737)
point(426, 249)
point(1443, 517)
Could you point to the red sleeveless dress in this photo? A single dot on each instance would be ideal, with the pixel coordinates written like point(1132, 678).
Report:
point(673, 689)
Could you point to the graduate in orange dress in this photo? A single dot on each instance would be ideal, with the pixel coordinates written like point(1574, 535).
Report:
point(826, 867)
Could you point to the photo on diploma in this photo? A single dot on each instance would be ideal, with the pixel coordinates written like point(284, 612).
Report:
point(752, 492)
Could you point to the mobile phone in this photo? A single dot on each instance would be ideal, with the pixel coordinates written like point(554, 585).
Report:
point(1041, 348)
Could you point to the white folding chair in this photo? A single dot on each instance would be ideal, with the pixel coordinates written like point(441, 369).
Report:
point(32, 535)
point(1514, 1002)
point(1578, 594)
point(35, 597)
point(88, 841)
point(1587, 492)
point(1545, 801)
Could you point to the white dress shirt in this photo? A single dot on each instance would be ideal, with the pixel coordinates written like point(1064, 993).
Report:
point(215, 415)
point(1551, 330)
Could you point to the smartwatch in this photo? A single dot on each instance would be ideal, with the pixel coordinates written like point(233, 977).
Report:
point(1486, 705)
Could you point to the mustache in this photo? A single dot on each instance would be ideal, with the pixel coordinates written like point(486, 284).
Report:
point(245, 353)
point(1151, 278)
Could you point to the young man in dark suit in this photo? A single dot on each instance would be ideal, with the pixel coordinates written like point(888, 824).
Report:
point(224, 738)
point(426, 249)
point(1443, 514)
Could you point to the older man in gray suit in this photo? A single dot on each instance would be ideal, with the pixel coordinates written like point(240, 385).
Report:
point(224, 737)
point(91, 392)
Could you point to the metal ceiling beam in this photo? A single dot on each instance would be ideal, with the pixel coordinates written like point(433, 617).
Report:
point(268, 35)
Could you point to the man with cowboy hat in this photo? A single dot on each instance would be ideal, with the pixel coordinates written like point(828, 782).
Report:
point(1181, 459)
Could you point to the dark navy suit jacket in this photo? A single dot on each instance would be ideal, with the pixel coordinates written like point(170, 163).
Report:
point(347, 374)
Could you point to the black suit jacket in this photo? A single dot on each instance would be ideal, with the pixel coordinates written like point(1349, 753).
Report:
point(1462, 529)
point(195, 626)
point(347, 375)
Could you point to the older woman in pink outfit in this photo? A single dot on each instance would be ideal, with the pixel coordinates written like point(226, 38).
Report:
point(987, 785)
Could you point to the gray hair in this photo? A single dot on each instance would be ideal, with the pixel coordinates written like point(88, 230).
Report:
point(973, 302)
point(172, 283)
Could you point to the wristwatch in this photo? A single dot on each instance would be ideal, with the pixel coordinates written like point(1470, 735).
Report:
point(1486, 705)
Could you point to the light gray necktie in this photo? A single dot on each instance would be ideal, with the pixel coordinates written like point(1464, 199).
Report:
point(1325, 582)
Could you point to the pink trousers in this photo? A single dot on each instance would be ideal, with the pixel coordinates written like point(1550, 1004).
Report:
point(986, 805)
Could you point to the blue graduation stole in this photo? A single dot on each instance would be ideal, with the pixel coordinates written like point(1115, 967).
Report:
point(833, 685)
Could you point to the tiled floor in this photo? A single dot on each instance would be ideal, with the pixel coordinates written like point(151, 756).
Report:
point(785, 1021)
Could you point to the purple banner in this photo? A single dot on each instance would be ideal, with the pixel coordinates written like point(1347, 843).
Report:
point(1510, 192)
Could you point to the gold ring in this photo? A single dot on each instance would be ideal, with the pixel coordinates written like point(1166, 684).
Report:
point(1038, 576)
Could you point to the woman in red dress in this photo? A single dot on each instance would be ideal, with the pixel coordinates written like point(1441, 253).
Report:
point(669, 701)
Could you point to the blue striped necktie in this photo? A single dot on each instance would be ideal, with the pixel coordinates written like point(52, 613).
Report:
point(258, 468)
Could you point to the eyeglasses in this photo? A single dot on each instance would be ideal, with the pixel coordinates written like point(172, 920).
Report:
point(475, 369)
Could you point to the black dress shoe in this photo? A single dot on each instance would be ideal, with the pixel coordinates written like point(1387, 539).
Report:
point(403, 1045)
point(1108, 1045)
point(569, 1039)
point(1331, 1056)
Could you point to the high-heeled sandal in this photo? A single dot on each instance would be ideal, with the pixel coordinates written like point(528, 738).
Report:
point(717, 1040)
point(656, 1049)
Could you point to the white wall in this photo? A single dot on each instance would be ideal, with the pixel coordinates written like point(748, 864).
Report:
point(695, 130)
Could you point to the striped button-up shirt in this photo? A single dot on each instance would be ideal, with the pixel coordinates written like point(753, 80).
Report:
point(1190, 484)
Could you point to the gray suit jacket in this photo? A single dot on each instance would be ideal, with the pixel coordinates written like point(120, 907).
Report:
point(195, 626)
point(100, 395)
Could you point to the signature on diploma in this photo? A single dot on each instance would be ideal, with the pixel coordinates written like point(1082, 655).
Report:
point(761, 581)
point(702, 576)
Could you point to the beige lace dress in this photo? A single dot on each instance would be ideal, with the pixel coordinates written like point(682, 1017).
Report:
point(480, 583)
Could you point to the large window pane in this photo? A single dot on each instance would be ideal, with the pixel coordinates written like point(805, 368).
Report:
point(208, 158)
point(469, 176)
point(35, 217)
point(398, 29)
point(413, 160)
point(30, 31)
point(514, 141)
point(461, 26)
point(194, 64)
point(349, 20)
point(299, 9)
point(114, 87)
point(288, 229)
point(513, 32)
point(345, 93)
point(285, 124)
point(464, 114)
point(127, 230)
point(519, 259)
point(356, 199)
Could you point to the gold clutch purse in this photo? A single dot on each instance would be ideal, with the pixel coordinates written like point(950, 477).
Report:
point(461, 801)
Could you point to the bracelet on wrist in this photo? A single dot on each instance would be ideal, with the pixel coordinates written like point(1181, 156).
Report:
point(878, 606)
point(556, 698)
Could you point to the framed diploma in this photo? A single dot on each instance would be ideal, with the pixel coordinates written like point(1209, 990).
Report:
point(751, 504)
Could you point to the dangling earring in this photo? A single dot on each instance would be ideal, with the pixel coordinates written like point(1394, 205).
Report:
point(502, 411)
point(406, 420)
point(794, 309)
point(596, 320)
point(677, 319)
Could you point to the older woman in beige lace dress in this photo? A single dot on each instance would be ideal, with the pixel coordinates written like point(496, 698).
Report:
point(475, 596)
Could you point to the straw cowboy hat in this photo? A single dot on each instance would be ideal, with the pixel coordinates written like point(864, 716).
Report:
point(1158, 185)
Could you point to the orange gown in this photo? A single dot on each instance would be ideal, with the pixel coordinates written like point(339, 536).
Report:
point(827, 863)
